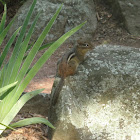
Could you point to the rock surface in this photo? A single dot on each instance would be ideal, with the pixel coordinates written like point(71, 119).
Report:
point(72, 14)
point(102, 101)
point(128, 12)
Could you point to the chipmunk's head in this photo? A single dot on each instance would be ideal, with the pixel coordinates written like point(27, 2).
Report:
point(85, 45)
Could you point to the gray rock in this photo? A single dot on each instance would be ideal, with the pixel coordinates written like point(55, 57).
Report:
point(73, 13)
point(128, 12)
point(101, 101)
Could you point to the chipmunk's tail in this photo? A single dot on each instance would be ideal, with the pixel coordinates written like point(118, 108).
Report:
point(57, 92)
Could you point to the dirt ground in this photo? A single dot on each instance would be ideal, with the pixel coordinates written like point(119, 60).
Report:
point(109, 30)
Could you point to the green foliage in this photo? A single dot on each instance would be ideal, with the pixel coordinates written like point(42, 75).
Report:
point(29, 121)
point(4, 89)
point(3, 2)
point(16, 74)
point(8, 1)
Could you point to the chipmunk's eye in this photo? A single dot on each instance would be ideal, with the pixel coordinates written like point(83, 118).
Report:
point(86, 44)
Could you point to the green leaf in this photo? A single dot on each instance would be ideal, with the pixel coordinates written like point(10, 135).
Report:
point(41, 48)
point(24, 27)
point(7, 87)
point(2, 2)
point(15, 94)
point(45, 46)
point(2, 24)
point(4, 32)
point(18, 45)
point(30, 45)
point(29, 121)
point(16, 108)
point(22, 51)
point(2, 73)
point(8, 127)
point(36, 46)
point(9, 68)
point(4, 53)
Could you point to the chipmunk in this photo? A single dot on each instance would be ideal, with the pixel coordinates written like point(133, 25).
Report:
point(68, 64)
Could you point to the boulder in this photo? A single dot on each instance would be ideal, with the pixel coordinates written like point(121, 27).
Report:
point(128, 12)
point(72, 14)
point(102, 100)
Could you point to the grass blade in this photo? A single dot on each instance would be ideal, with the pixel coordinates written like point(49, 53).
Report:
point(15, 109)
point(45, 46)
point(2, 74)
point(9, 69)
point(41, 48)
point(7, 87)
point(29, 121)
point(23, 30)
point(2, 24)
point(2, 57)
point(3, 2)
point(30, 45)
point(22, 51)
point(36, 47)
point(17, 47)
point(8, 127)
point(4, 32)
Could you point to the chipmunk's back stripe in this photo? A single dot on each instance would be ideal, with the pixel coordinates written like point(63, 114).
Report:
point(71, 55)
